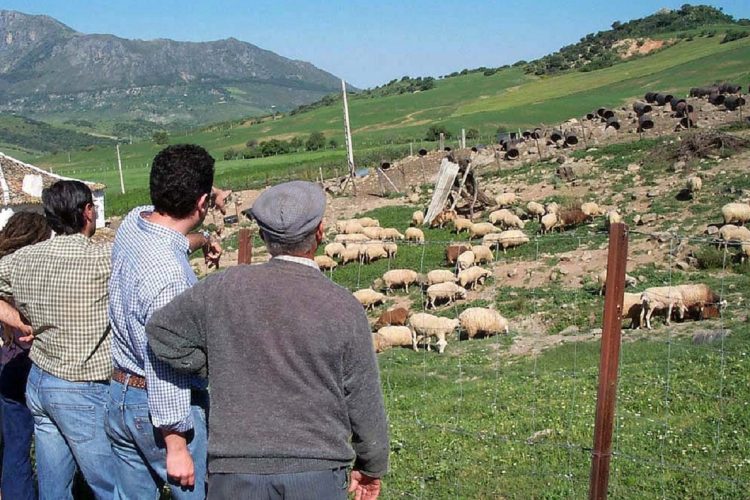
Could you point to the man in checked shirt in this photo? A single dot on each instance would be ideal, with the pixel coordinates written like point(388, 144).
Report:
point(156, 417)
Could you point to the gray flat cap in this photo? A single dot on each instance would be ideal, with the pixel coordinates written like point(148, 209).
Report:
point(288, 212)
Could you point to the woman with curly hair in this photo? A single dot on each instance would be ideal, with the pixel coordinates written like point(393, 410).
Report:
point(17, 481)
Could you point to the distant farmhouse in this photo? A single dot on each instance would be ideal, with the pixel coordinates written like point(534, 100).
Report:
point(22, 186)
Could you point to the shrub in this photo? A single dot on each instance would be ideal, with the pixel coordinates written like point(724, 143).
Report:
point(433, 133)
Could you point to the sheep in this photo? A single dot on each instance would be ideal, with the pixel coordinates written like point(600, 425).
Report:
point(506, 239)
point(417, 218)
point(461, 223)
point(549, 222)
point(453, 251)
point(695, 296)
point(591, 209)
point(443, 218)
point(731, 233)
point(476, 320)
point(658, 299)
point(351, 254)
point(572, 217)
point(505, 199)
point(392, 336)
point(535, 210)
point(373, 252)
point(325, 262)
point(443, 291)
point(482, 229)
point(391, 249)
point(744, 252)
point(340, 225)
point(613, 217)
point(372, 232)
point(693, 184)
point(368, 222)
point(482, 254)
point(424, 326)
point(440, 276)
point(346, 239)
point(414, 234)
point(369, 298)
point(552, 207)
point(736, 212)
point(399, 278)
point(473, 276)
point(391, 233)
point(395, 316)
point(352, 227)
point(466, 259)
point(631, 308)
point(601, 279)
point(333, 250)
point(506, 219)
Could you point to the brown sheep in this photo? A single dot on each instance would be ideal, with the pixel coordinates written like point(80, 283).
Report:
point(572, 217)
point(392, 317)
point(453, 251)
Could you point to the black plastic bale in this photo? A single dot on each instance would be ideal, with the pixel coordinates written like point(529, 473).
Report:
point(601, 111)
point(556, 135)
point(537, 133)
point(641, 107)
point(645, 122)
point(612, 122)
point(526, 134)
point(650, 97)
point(512, 153)
point(422, 152)
point(675, 102)
point(571, 139)
point(732, 102)
point(663, 99)
point(591, 115)
point(716, 99)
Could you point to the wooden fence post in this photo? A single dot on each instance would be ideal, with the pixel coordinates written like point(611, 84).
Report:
point(609, 361)
point(245, 252)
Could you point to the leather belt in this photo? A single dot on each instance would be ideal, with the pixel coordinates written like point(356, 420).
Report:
point(128, 379)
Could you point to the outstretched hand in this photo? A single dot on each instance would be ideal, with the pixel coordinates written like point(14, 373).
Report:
point(212, 254)
point(363, 486)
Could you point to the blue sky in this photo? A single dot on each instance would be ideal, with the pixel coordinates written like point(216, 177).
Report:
point(365, 42)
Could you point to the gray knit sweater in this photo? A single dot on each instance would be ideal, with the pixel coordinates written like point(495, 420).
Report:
point(294, 383)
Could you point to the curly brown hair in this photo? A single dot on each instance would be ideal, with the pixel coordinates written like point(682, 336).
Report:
point(22, 229)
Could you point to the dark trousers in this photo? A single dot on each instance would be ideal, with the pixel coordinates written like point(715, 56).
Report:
point(326, 484)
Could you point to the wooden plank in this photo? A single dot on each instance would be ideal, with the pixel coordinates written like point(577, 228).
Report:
point(446, 178)
point(245, 253)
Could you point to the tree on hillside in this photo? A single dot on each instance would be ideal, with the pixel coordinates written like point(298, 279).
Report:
point(433, 133)
point(315, 141)
point(472, 134)
point(160, 137)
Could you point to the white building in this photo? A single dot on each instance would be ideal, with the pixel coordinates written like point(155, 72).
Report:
point(22, 186)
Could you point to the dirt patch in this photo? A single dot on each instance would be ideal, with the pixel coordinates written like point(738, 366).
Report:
point(629, 47)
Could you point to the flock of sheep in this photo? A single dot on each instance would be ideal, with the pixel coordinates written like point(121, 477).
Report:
point(363, 241)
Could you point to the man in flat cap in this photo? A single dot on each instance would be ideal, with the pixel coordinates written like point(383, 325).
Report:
point(294, 385)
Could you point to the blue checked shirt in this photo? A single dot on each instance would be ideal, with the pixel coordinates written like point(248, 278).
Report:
point(150, 267)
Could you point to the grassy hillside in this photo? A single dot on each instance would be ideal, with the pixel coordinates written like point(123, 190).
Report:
point(33, 137)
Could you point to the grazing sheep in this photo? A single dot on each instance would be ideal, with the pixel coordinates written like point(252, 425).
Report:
point(340, 225)
point(482, 254)
point(453, 251)
point(391, 233)
point(440, 276)
point(334, 250)
point(368, 222)
point(549, 222)
point(601, 279)
point(535, 210)
point(505, 199)
point(372, 232)
point(552, 207)
point(663, 298)
point(461, 224)
point(395, 316)
point(346, 239)
point(399, 278)
point(631, 308)
point(730, 233)
point(473, 276)
point(744, 252)
point(443, 291)
point(391, 249)
point(351, 254)
point(424, 326)
point(698, 295)
point(352, 227)
point(466, 259)
point(693, 184)
point(478, 320)
point(572, 217)
point(325, 262)
point(369, 298)
point(373, 252)
point(506, 219)
point(417, 218)
point(392, 336)
point(443, 218)
point(506, 239)
point(736, 212)
point(414, 234)
point(591, 209)
point(482, 229)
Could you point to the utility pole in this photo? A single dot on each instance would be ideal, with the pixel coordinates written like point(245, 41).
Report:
point(348, 138)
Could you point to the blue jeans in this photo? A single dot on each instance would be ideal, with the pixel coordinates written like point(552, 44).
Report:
point(17, 429)
point(69, 430)
point(139, 449)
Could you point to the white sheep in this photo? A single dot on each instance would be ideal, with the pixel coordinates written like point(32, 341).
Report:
point(461, 224)
point(601, 280)
point(390, 233)
point(352, 227)
point(401, 278)
point(334, 250)
point(697, 295)
point(444, 291)
point(744, 252)
point(369, 298)
point(482, 254)
point(346, 239)
point(505, 199)
point(414, 234)
point(465, 259)
point(535, 210)
point(391, 249)
point(417, 218)
point(473, 276)
point(549, 222)
point(663, 298)
point(631, 308)
point(736, 212)
point(440, 276)
point(373, 252)
point(424, 326)
point(478, 320)
point(392, 336)
point(351, 254)
point(325, 262)
point(591, 209)
point(693, 184)
point(505, 219)
point(731, 233)
point(368, 222)
point(340, 225)
point(482, 229)
point(552, 207)
point(511, 238)
point(372, 232)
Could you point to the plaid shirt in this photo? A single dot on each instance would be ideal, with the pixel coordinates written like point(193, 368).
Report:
point(60, 285)
point(149, 268)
